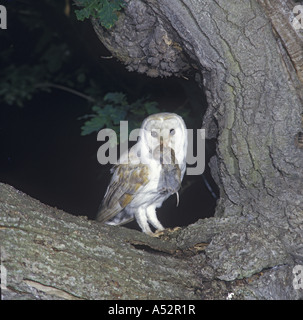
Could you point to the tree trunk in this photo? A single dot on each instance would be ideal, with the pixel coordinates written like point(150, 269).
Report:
point(252, 79)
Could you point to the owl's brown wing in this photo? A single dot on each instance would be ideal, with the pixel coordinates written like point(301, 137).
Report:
point(126, 181)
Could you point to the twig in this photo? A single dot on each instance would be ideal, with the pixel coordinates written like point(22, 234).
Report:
point(63, 88)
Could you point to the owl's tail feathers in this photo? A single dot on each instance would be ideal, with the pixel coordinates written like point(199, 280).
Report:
point(104, 213)
point(101, 217)
point(114, 216)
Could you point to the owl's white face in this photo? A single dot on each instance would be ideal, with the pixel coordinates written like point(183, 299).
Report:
point(166, 129)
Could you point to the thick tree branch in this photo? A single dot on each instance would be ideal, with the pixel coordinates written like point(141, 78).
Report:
point(49, 254)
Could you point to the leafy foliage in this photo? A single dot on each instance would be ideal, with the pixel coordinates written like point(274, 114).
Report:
point(106, 11)
point(33, 56)
point(39, 55)
point(19, 82)
point(114, 108)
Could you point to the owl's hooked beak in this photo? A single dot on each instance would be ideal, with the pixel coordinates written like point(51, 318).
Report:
point(177, 193)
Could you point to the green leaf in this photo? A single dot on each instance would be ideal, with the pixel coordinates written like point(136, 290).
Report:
point(83, 14)
point(115, 108)
point(118, 115)
point(151, 107)
point(95, 124)
point(97, 109)
point(118, 98)
point(108, 14)
point(105, 10)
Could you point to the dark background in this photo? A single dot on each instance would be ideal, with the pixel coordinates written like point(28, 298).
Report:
point(42, 152)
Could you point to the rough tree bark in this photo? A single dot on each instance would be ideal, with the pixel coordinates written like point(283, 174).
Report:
point(251, 73)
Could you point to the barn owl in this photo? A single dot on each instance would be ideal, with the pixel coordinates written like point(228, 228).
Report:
point(147, 174)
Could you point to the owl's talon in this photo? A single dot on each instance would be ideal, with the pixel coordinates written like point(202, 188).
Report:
point(174, 229)
point(152, 234)
point(158, 233)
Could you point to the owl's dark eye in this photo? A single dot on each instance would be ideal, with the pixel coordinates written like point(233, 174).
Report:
point(172, 132)
point(154, 134)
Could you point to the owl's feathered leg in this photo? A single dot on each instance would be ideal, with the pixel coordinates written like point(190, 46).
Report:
point(141, 218)
point(152, 218)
